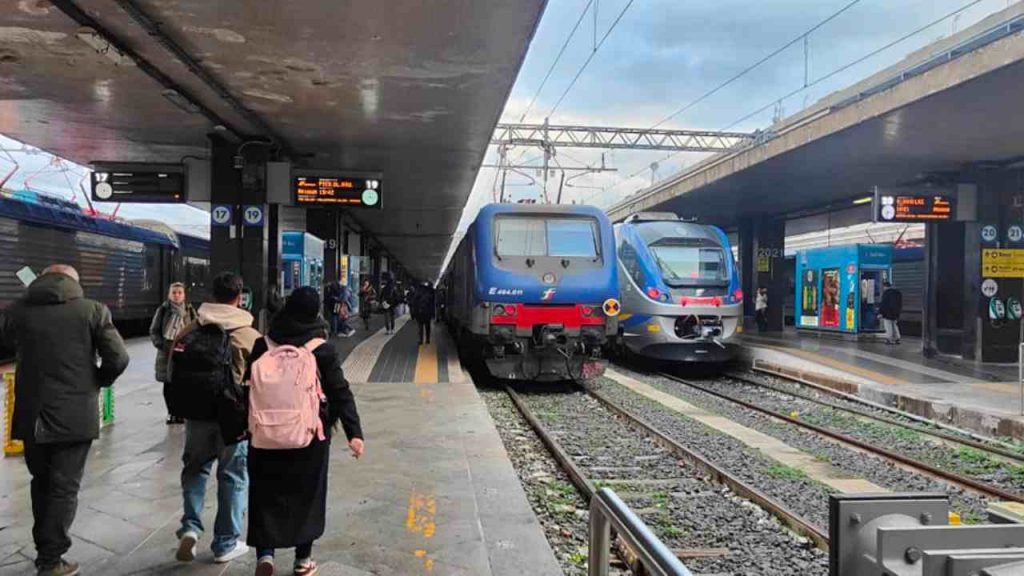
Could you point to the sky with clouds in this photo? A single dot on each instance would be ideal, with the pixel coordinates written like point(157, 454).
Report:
point(661, 56)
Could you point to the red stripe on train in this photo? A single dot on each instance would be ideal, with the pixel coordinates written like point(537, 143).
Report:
point(524, 316)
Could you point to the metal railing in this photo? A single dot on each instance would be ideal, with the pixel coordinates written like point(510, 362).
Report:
point(608, 511)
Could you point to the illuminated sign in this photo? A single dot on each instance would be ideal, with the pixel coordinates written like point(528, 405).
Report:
point(1002, 263)
point(913, 207)
point(338, 189)
point(138, 182)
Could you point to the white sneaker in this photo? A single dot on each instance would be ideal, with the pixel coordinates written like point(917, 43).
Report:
point(238, 551)
point(187, 547)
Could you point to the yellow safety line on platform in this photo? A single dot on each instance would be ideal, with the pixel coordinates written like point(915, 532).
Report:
point(770, 446)
point(426, 365)
point(837, 365)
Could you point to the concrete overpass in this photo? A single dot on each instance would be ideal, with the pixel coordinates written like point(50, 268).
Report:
point(409, 89)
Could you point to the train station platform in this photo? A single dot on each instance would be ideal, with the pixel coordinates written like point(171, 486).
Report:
point(984, 398)
point(434, 493)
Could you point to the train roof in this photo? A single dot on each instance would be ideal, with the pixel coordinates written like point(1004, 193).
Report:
point(578, 209)
point(61, 215)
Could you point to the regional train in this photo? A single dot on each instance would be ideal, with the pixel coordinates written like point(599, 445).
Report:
point(127, 267)
point(680, 288)
point(531, 292)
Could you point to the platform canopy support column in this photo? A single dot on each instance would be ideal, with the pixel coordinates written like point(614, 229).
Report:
point(239, 247)
point(324, 223)
point(762, 253)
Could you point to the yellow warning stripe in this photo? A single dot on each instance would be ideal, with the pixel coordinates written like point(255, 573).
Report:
point(426, 365)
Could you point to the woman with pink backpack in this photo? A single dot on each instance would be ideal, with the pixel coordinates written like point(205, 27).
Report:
point(297, 394)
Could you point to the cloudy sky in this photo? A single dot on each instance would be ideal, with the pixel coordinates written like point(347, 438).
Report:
point(661, 56)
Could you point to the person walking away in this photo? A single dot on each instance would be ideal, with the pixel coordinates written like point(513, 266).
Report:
point(389, 299)
point(207, 360)
point(761, 309)
point(890, 310)
point(367, 300)
point(348, 304)
point(170, 318)
point(331, 305)
point(293, 369)
point(58, 335)
point(423, 306)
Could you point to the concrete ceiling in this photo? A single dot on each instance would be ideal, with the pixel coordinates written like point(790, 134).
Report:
point(956, 115)
point(412, 89)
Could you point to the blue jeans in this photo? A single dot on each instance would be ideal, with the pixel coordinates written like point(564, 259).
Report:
point(203, 445)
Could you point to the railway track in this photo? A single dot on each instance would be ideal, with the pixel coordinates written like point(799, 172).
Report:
point(962, 481)
point(701, 510)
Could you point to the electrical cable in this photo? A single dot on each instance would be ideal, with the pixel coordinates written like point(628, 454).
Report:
point(590, 58)
point(565, 45)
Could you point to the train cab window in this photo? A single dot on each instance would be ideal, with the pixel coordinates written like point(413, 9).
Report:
point(559, 238)
point(628, 257)
point(684, 264)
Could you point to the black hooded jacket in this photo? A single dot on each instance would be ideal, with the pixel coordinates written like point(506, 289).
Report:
point(58, 333)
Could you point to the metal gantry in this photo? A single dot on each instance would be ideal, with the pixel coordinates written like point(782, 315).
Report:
point(611, 138)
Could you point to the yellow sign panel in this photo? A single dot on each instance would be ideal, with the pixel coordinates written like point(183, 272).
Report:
point(1005, 263)
point(764, 264)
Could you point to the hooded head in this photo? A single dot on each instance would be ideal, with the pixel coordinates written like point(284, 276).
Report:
point(56, 285)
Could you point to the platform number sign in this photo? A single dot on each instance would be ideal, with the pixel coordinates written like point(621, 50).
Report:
point(1015, 234)
point(221, 215)
point(252, 215)
point(989, 233)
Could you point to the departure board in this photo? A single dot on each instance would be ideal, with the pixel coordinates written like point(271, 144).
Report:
point(356, 190)
point(913, 208)
point(138, 182)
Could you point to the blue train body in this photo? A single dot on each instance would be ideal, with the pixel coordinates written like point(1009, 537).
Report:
point(680, 287)
point(532, 290)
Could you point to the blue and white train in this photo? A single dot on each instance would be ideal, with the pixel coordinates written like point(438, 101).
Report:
point(680, 290)
point(532, 291)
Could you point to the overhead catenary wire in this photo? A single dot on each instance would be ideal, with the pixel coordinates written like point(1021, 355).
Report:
point(590, 58)
point(558, 58)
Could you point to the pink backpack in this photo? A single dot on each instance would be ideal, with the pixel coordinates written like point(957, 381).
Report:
point(285, 396)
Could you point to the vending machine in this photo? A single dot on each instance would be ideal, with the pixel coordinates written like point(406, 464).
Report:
point(302, 261)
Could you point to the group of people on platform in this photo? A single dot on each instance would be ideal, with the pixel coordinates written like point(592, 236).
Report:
point(262, 406)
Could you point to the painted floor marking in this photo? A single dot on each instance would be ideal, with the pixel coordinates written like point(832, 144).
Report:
point(769, 446)
point(363, 358)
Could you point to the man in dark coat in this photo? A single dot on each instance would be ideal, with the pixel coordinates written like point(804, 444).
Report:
point(890, 310)
point(288, 488)
point(58, 333)
point(423, 307)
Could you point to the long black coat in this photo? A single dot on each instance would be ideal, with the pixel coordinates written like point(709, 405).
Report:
point(58, 334)
point(288, 488)
point(892, 304)
point(423, 304)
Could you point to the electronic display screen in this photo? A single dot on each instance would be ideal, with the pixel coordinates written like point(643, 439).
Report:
point(339, 190)
point(138, 182)
point(913, 208)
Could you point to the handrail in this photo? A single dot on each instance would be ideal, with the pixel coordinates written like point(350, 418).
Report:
point(608, 511)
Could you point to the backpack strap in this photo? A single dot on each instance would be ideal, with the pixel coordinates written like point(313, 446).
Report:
point(313, 344)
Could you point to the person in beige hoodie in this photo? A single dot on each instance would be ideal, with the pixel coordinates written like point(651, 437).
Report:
point(203, 441)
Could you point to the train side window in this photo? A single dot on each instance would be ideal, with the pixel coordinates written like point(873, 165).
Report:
point(628, 257)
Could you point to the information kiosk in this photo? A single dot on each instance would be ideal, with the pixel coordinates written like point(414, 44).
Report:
point(839, 288)
point(302, 259)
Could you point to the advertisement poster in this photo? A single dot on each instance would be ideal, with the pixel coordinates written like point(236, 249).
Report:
point(809, 299)
point(830, 298)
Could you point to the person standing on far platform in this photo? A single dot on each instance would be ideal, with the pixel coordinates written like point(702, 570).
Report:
point(288, 465)
point(367, 300)
point(170, 318)
point(423, 306)
point(207, 362)
point(58, 334)
point(890, 310)
point(761, 309)
point(389, 299)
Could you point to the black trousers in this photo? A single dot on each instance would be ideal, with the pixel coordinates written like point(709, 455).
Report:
point(389, 318)
point(424, 331)
point(56, 478)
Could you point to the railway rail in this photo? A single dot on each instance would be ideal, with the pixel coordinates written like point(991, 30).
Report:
point(964, 482)
point(702, 467)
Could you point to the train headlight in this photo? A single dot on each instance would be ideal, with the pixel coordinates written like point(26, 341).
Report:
point(653, 293)
point(499, 310)
point(587, 311)
point(737, 296)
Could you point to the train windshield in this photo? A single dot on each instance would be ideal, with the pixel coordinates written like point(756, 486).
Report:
point(687, 254)
point(557, 237)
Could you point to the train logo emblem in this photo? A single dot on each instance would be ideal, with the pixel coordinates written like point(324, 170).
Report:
point(548, 294)
point(611, 307)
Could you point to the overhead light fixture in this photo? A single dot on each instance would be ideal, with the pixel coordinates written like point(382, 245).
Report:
point(104, 47)
point(180, 101)
point(863, 200)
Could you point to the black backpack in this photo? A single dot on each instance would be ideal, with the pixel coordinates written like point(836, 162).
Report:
point(200, 373)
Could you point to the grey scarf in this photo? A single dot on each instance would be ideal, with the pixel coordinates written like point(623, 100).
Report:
point(175, 316)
